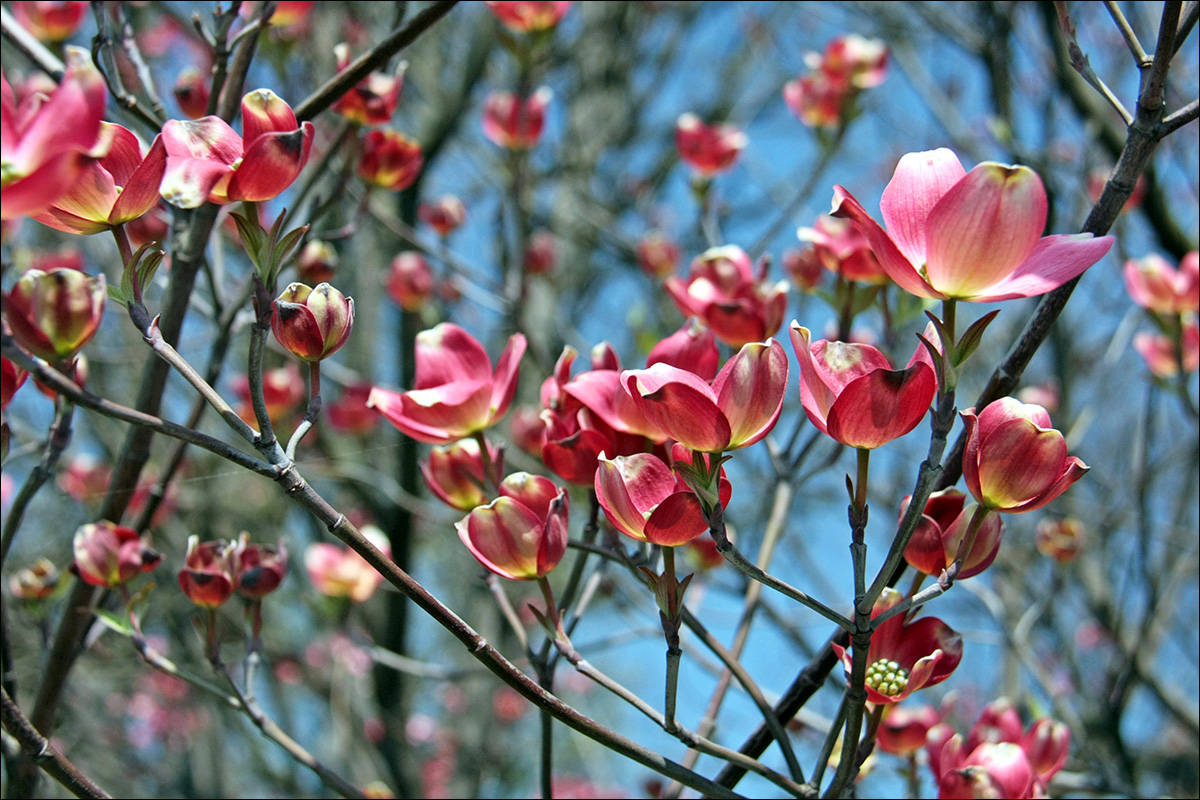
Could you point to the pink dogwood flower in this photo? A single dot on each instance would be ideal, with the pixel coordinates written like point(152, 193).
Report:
point(737, 410)
point(852, 394)
point(529, 16)
point(1015, 461)
point(644, 499)
point(905, 656)
point(708, 149)
point(974, 236)
point(1157, 286)
point(456, 393)
point(515, 123)
point(118, 188)
point(723, 290)
point(522, 534)
point(208, 161)
point(40, 157)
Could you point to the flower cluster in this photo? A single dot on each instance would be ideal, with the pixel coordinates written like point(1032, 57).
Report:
point(825, 97)
point(998, 758)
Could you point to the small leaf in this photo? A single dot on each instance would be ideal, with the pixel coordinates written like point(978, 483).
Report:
point(149, 265)
point(113, 622)
point(972, 337)
point(118, 295)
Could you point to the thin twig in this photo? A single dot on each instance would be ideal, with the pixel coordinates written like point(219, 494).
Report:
point(39, 750)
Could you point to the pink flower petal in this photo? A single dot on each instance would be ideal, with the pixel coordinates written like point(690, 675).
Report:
point(983, 228)
point(919, 182)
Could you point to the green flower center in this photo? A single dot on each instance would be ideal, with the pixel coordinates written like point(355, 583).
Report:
point(887, 677)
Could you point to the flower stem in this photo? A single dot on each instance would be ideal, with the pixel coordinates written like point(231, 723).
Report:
point(670, 620)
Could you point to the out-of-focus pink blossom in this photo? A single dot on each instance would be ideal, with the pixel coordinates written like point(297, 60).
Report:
point(708, 149)
point(1157, 286)
point(723, 290)
point(337, 571)
point(529, 16)
point(515, 123)
point(1158, 351)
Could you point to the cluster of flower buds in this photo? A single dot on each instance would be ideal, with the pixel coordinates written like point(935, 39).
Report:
point(214, 570)
point(998, 758)
point(825, 97)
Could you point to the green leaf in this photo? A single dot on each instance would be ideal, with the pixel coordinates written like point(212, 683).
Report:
point(118, 294)
point(149, 265)
point(113, 622)
point(972, 337)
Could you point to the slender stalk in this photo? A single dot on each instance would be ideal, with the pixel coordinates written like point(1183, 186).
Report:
point(716, 528)
point(57, 439)
point(835, 730)
point(670, 619)
point(310, 413)
point(683, 734)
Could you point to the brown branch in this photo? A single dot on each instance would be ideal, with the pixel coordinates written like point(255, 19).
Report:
point(378, 56)
point(39, 750)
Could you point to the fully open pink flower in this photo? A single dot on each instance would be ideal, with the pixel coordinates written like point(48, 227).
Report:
point(851, 393)
point(522, 534)
point(42, 157)
point(723, 291)
point(456, 392)
point(208, 161)
point(1015, 461)
point(120, 187)
point(708, 149)
point(969, 235)
point(1155, 285)
point(737, 410)
point(905, 656)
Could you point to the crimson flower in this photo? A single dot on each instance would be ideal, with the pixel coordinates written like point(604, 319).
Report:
point(644, 499)
point(373, 101)
point(259, 568)
point(515, 123)
point(118, 188)
point(312, 323)
point(41, 157)
point(935, 542)
point(390, 160)
point(975, 235)
point(209, 574)
point(107, 554)
point(529, 16)
point(1014, 460)
point(852, 394)
point(708, 149)
point(905, 656)
point(54, 314)
point(522, 534)
point(456, 393)
point(208, 161)
point(737, 410)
